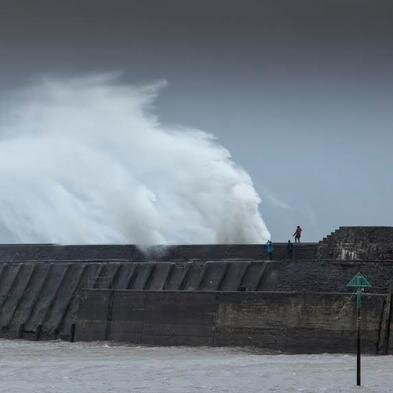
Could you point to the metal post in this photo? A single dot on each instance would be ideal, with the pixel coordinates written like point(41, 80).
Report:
point(358, 363)
point(360, 283)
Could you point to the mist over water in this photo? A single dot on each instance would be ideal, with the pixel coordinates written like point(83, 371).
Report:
point(86, 161)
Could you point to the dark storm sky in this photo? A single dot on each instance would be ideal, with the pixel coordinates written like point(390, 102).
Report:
point(300, 92)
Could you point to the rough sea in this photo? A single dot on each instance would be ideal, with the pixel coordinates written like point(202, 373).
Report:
point(60, 367)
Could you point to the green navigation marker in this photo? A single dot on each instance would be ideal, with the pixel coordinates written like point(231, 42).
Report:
point(358, 282)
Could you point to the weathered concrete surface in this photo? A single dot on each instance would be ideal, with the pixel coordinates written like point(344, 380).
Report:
point(131, 253)
point(358, 243)
point(40, 300)
point(326, 276)
point(301, 323)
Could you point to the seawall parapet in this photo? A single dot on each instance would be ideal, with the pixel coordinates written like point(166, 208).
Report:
point(132, 253)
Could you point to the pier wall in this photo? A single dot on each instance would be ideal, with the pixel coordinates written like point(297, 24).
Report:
point(49, 292)
point(288, 322)
point(40, 300)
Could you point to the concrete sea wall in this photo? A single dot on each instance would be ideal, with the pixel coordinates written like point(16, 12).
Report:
point(206, 294)
point(289, 322)
point(41, 300)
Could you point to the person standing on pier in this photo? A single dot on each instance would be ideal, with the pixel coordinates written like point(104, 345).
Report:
point(289, 250)
point(269, 249)
point(298, 234)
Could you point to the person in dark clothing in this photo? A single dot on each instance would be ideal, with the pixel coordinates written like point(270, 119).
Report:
point(269, 249)
point(289, 250)
point(298, 234)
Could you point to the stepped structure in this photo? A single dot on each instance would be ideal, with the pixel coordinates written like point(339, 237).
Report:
point(358, 243)
point(202, 294)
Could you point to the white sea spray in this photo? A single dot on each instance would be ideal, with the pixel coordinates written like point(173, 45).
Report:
point(85, 161)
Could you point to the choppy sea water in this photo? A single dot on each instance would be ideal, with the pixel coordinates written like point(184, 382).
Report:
point(57, 367)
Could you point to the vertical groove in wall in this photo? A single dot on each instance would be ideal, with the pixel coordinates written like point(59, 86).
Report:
point(55, 315)
point(254, 274)
point(214, 273)
point(98, 279)
point(168, 276)
point(244, 275)
point(233, 276)
point(55, 298)
point(152, 269)
point(224, 274)
point(35, 299)
point(263, 277)
point(45, 300)
point(13, 325)
point(124, 276)
point(201, 277)
point(115, 275)
point(8, 285)
point(144, 270)
point(119, 276)
point(175, 276)
point(106, 278)
point(260, 275)
point(2, 269)
point(133, 276)
point(93, 276)
point(100, 275)
point(193, 278)
point(187, 269)
point(4, 282)
point(18, 296)
point(65, 330)
point(67, 307)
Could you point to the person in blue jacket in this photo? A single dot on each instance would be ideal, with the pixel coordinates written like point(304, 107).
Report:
point(269, 249)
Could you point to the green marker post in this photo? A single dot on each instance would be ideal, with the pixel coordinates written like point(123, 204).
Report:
point(359, 282)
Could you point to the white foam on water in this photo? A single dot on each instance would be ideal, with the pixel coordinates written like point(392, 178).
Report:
point(86, 161)
point(61, 367)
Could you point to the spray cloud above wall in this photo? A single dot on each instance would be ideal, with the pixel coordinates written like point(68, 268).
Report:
point(85, 161)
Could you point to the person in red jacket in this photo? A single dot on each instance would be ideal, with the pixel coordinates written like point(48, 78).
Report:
point(298, 234)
